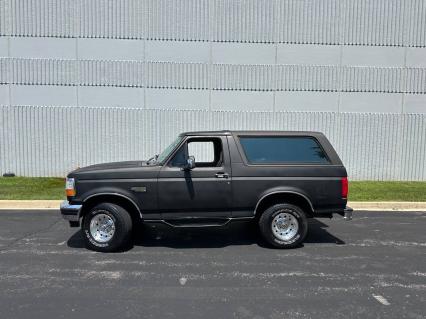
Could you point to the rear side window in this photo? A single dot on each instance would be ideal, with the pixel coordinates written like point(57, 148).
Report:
point(283, 149)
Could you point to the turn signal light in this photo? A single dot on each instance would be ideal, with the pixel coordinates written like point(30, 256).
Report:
point(70, 192)
point(70, 187)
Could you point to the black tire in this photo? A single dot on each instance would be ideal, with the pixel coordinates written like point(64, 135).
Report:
point(267, 218)
point(122, 223)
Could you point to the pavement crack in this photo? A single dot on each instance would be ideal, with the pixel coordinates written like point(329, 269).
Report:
point(29, 235)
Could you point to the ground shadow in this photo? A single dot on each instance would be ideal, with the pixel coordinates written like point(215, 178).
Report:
point(238, 233)
point(318, 234)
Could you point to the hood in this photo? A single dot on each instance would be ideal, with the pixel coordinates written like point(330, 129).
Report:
point(117, 170)
point(107, 166)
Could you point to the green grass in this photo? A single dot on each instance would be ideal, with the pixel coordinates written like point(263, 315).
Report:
point(387, 191)
point(32, 188)
point(53, 188)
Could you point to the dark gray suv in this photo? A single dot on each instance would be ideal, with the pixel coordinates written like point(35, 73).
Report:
point(277, 179)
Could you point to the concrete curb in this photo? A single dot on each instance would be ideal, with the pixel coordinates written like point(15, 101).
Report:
point(370, 206)
point(389, 206)
point(30, 204)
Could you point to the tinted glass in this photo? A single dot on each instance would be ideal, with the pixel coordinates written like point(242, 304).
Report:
point(278, 149)
point(164, 154)
point(179, 159)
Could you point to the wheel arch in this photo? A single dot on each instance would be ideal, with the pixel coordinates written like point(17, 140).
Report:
point(119, 199)
point(288, 196)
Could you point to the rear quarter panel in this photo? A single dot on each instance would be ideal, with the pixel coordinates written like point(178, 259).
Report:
point(321, 184)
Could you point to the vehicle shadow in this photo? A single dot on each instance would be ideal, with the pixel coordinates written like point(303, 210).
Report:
point(238, 233)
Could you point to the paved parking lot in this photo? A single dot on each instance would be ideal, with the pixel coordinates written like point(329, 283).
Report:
point(372, 267)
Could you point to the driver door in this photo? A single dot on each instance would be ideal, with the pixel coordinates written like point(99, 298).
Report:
point(205, 190)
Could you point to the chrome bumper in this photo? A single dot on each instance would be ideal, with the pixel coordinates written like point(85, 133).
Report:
point(347, 213)
point(70, 212)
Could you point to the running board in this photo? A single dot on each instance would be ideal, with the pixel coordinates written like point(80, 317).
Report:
point(197, 222)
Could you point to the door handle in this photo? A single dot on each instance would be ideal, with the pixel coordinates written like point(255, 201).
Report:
point(221, 175)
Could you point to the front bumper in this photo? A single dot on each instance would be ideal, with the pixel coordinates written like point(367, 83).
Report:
point(70, 212)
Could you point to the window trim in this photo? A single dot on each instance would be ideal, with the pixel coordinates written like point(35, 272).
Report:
point(184, 143)
point(213, 146)
point(246, 161)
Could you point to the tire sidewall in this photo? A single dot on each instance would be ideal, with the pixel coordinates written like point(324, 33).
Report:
point(298, 214)
point(113, 212)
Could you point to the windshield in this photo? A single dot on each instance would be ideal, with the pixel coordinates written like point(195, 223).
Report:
point(164, 154)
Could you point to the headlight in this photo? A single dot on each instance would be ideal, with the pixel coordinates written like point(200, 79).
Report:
point(70, 187)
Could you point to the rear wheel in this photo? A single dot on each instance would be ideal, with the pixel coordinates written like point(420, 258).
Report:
point(284, 225)
point(107, 228)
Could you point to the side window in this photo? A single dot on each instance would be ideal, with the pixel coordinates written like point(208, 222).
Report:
point(283, 149)
point(203, 151)
point(206, 151)
point(179, 159)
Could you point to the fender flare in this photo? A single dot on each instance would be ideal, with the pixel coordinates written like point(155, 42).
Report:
point(115, 194)
point(284, 192)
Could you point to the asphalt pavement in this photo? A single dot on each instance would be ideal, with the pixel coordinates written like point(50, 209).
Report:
point(371, 267)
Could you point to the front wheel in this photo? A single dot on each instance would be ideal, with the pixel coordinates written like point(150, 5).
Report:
point(284, 225)
point(107, 228)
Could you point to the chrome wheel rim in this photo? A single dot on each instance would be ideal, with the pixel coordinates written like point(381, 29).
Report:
point(285, 226)
point(102, 228)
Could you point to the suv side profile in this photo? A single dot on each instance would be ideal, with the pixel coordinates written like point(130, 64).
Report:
point(279, 179)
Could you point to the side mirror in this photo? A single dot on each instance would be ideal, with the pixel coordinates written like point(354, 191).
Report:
point(190, 163)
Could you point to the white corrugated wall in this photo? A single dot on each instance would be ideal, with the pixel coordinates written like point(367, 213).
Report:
point(87, 81)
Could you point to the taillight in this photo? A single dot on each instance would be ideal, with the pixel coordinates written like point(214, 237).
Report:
point(345, 187)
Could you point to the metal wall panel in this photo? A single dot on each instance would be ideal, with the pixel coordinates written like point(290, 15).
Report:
point(308, 78)
point(4, 17)
point(215, 76)
point(49, 18)
point(4, 95)
point(50, 141)
point(111, 73)
point(242, 100)
point(314, 101)
point(243, 21)
point(373, 22)
point(4, 71)
point(42, 71)
point(414, 103)
point(371, 102)
point(179, 99)
point(308, 21)
point(373, 79)
point(415, 23)
point(177, 75)
point(415, 80)
point(243, 77)
point(354, 22)
point(178, 20)
point(123, 19)
point(43, 95)
point(120, 73)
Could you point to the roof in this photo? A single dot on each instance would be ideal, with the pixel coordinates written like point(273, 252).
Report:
point(254, 132)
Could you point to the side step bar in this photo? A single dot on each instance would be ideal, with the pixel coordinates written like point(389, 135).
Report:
point(196, 222)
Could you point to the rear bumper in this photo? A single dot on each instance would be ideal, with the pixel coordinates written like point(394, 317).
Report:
point(70, 212)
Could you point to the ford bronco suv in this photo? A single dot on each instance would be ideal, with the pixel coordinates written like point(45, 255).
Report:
point(277, 179)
